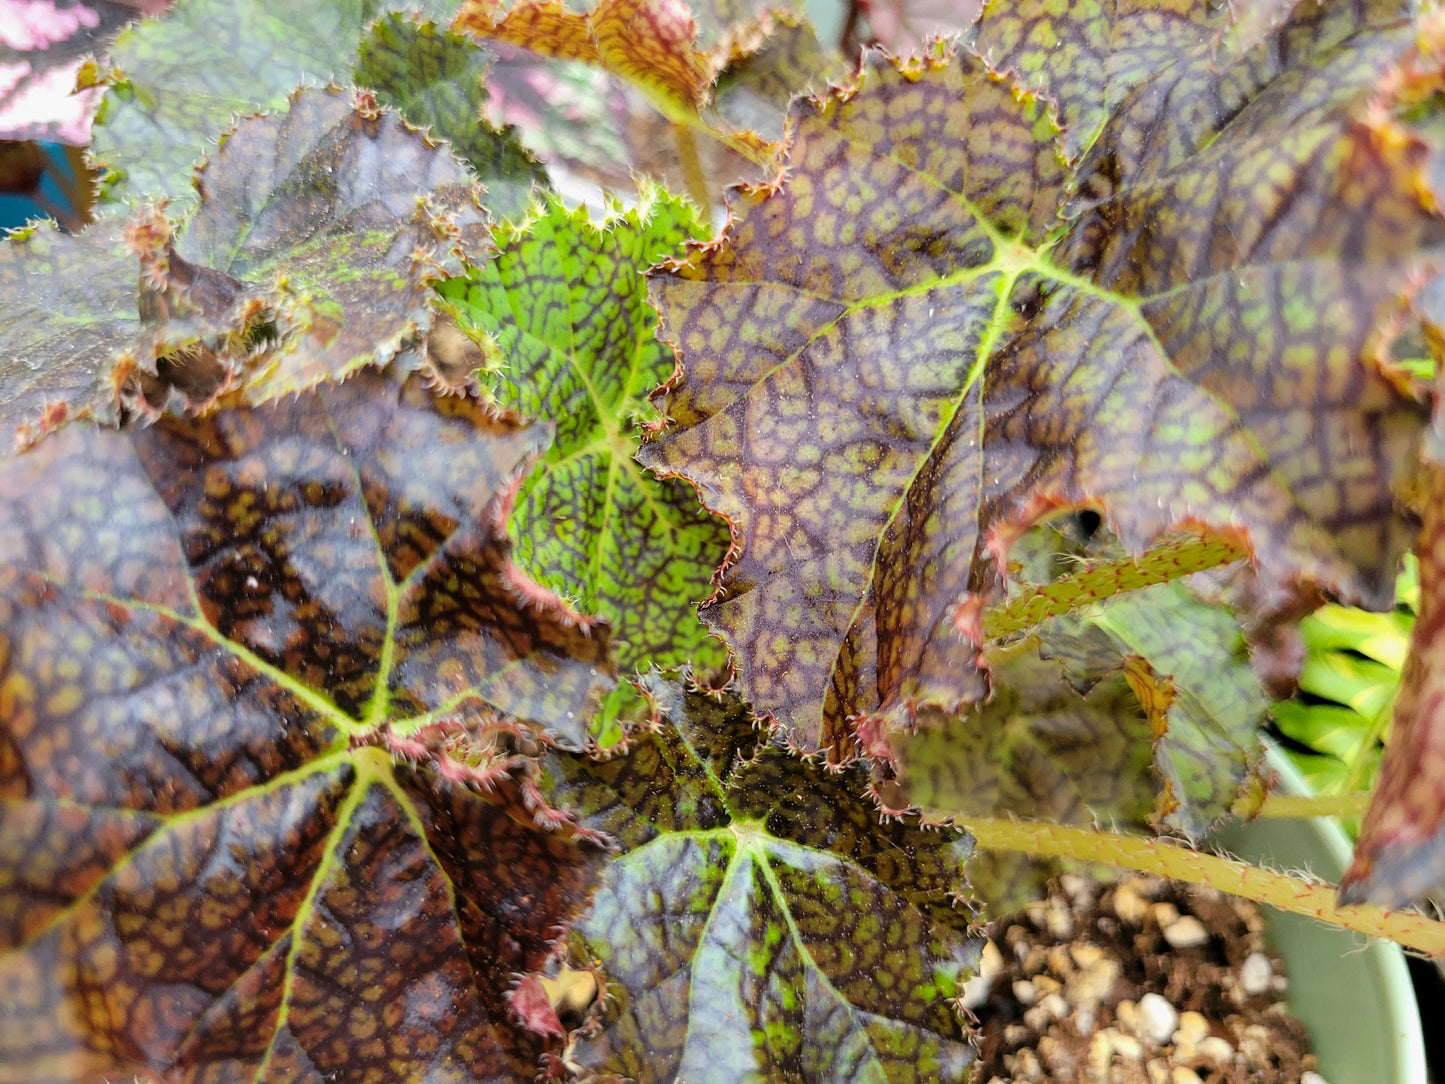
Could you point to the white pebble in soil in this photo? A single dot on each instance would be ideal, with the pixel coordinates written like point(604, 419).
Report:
point(1256, 974)
point(1158, 1019)
point(1308, 1077)
point(1186, 932)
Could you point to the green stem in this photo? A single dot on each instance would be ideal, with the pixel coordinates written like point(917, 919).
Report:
point(1352, 804)
point(1295, 894)
point(692, 170)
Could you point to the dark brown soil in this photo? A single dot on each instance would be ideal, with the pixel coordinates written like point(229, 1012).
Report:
point(1069, 999)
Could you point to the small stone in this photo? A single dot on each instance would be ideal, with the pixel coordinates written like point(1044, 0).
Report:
point(1054, 1055)
point(1192, 1026)
point(1084, 1021)
point(1166, 914)
point(1158, 1019)
point(1059, 961)
point(1016, 1034)
point(1184, 1075)
point(1092, 986)
point(1060, 924)
point(1037, 1018)
point(1215, 1049)
point(1077, 889)
point(1055, 1006)
point(1128, 1048)
point(1026, 1065)
point(1186, 932)
point(1086, 956)
point(1311, 1077)
point(1025, 992)
point(1127, 1013)
point(1256, 974)
point(1047, 984)
point(1101, 1049)
point(1129, 905)
point(1158, 1074)
point(1254, 1043)
point(1034, 961)
point(975, 990)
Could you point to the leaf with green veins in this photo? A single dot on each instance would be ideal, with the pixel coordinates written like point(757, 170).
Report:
point(435, 78)
point(180, 81)
point(759, 922)
point(71, 308)
point(564, 307)
point(348, 216)
point(264, 680)
point(938, 330)
point(312, 254)
point(669, 53)
point(1139, 710)
point(593, 130)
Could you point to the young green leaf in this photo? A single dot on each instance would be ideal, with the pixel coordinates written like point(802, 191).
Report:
point(264, 676)
point(563, 310)
point(760, 923)
point(953, 318)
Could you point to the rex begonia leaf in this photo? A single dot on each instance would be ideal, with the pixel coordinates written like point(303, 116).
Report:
point(1138, 711)
point(179, 81)
point(760, 922)
point(312, 254)
point(951, 318)
point(563, 310)
point(672, 54)
point(348, 216)
point(265, 680)
point(70, 308)
point(435, 78)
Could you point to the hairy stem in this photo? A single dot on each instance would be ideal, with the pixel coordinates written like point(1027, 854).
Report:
point(1304, 897)
point(692, 170)
point(1353, 804)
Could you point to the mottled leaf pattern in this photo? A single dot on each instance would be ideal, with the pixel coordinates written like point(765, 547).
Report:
point(938, 330)
point(312, 254)
point(754, 924)
point(563, 311)
point(435, 79)
point(1400, 851)
point(71, 307)
point(1068, 735)
point(177, 83)
point(348, 217)
point(214, 635)
point(655, 46)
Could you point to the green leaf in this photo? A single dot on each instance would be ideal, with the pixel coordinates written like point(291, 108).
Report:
point(563, 310)
point(759, 922)
point(435, 79)
point(1138, 711)
point(180, 80)
point(264, 679)
point(953, 318)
